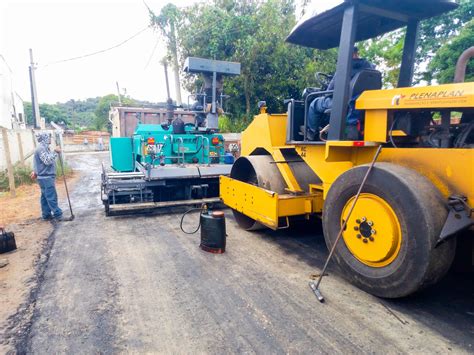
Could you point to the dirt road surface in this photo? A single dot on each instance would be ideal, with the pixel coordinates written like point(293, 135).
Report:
point(138, 284)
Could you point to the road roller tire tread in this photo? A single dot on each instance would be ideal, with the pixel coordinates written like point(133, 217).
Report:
point(421, 212)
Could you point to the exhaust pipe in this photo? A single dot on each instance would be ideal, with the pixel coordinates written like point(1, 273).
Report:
point(461, 65)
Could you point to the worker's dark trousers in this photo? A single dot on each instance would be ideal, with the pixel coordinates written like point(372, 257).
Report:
point(49, 198)
point(317, 120)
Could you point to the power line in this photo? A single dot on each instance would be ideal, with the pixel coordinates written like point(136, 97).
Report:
point(152, 53)
point(97, 52)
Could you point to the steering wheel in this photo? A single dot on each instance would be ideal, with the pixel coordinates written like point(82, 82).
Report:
point(323, 79)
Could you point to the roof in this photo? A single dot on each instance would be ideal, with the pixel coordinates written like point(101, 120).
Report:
point(376, 17)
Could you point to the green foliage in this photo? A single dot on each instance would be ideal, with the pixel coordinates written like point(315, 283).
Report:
point(437, 31)
point(81, 112)
point(27, 107)
point(91, 113)
point(21, 174)
point(252, 33)
point(386, 53)
point(101, 120)
point(386, 50)
point(166, 21)
point(74, 113)
point(229, 125)
point(67, 169)
point(51, 113)
point(443, 65)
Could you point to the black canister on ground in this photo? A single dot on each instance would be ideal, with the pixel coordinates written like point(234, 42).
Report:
point(7, 241)
point(213, 232)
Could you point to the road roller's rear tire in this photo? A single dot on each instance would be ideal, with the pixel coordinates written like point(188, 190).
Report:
point(389, 246)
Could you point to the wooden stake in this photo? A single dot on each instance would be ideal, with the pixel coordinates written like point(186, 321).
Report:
point(20, 148)
point(11, 176)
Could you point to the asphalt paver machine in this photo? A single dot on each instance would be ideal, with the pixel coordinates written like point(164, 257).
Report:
point(172, 163)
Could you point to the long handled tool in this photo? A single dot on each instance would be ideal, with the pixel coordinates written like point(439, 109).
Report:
point(315, 286)
point(64, 179)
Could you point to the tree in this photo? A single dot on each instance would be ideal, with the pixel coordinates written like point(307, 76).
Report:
point(252, 33)
point(80, 113)
point(50, 112)
point(386, 50)
point(166, 22)
point(443, 65)
point(103, 107)
point(28, 108)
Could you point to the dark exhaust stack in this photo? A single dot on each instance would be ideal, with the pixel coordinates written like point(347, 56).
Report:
point(461, 65)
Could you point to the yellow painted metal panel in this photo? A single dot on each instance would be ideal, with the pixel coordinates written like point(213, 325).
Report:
point(257, 203)
point(441, 96)
point(286, 172)
point(375, 128)
point(295, 205)
point(266, 206)
point(450, 170)
point(266, 131)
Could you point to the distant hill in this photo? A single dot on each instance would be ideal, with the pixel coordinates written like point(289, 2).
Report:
point(81, 114)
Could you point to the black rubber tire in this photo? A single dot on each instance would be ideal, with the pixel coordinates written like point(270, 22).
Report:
point(107, 209)
point(421, 211)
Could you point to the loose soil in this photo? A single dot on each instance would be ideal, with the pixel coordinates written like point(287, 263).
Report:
point(20, 215)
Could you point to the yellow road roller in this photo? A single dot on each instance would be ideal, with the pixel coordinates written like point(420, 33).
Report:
point(401, 235)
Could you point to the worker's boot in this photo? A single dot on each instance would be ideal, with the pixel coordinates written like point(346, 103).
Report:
point(62, 219)
point(310, 135)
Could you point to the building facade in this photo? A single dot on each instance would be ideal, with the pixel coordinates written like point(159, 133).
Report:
point(12, 114)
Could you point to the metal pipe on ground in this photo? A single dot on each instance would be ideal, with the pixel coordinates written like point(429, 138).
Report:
point(315, 286)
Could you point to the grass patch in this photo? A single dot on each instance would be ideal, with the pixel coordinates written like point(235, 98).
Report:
point(22, 175)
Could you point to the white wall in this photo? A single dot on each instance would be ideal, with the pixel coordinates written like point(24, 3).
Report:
point(5, 95)
point(11, 104)
point(20, 122)
point(27, 141)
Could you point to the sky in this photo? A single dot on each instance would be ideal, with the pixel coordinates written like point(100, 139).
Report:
point(63, 29)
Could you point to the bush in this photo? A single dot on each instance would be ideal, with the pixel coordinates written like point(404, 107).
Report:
point(67, 169)
point(229, 125)
point(22, 175)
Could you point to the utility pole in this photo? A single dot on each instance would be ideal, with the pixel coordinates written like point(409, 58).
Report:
point(34, 95)
point(118, 93)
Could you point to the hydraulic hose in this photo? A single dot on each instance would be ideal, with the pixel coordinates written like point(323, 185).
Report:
point(202, 208)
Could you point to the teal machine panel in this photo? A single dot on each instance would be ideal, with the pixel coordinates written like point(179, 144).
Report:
point(121, 154)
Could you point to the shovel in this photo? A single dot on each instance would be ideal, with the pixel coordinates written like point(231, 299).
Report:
point(64, 179)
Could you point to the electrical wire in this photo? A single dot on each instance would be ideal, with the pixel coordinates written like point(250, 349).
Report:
point(390, 132)
point(96, 52)
point(151, 55)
